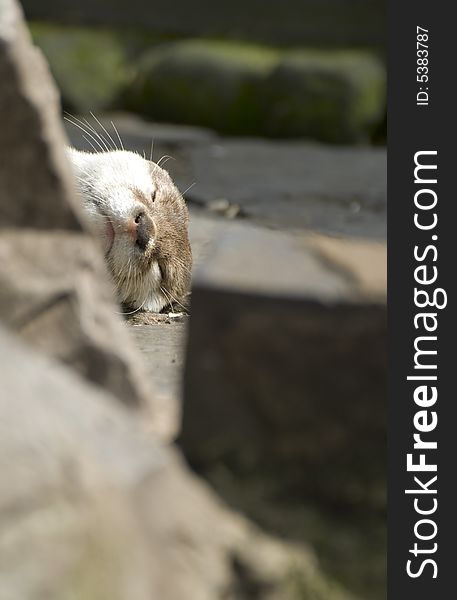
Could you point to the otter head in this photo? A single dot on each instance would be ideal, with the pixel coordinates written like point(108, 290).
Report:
point(142, 221)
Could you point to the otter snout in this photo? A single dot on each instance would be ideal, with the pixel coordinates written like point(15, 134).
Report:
point(143, 229)
point(142, 220)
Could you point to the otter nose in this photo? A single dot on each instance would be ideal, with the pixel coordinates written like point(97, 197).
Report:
point(144, 228)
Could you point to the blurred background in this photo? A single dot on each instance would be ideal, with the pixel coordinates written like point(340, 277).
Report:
point(309, 69)
point(271, 117)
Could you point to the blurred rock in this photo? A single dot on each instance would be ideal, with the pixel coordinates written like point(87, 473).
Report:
point(207, 83)
point(249, 90)
point(162, 347)
point(54, 289)
point(333, 97)
point(67, 530)
point(90, 507)
point(32, 165)
point(285, 379)
point(285, 387)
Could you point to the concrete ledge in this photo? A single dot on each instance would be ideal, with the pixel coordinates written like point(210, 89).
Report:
point(285, 378)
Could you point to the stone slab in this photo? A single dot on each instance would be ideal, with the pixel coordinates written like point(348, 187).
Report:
point(92, 507)
point(285, 376)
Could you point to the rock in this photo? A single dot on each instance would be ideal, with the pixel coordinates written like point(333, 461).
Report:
point(54, 287)
point(329, 96)
point(211, 84)
point(32, 164)
point(334, 96)
point(364, 264)
point(90, 66)
point(285, 386)
point(67, 529)
point(91, 507)
point(296, 186)
point(286, 366)
point(162, 349)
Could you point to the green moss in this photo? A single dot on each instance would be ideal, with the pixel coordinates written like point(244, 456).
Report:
point(331, 96)
point(233, 87)
point(90, 66)
point(336, 96)
point(215, 84)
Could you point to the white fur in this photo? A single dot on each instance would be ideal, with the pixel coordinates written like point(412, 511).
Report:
point(107, 182)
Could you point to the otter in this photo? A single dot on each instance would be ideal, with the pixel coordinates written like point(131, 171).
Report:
point(142, 222)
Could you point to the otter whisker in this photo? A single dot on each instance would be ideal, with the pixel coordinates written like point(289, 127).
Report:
point(86, 132)
point(118, 136)
point(165, 159)
point(105, 130)
point(167, 297)
point(91, 130)
point(181, 264)
point(133, 311)
point(152, 149)
point(190, 187)
point(173, 298)
point(90, 143)
point(99, 135)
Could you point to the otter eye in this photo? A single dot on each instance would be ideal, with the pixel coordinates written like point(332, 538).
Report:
point(161, 272)
point(153, 195)
point(139, 217)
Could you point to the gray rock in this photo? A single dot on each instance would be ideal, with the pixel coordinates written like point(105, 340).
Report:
point(67, 529)
point(34, 174)
point(332, 96)
point(286, 365)
point(285, 387)
point(295, 185)
point(162, 349)
point(54, 288)
point(90, 507)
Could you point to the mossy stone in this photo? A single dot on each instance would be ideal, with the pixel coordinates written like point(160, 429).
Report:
point(235, 88)
point(208, 83)
point(336, 96)
point(330, 96)
point(90, 66)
